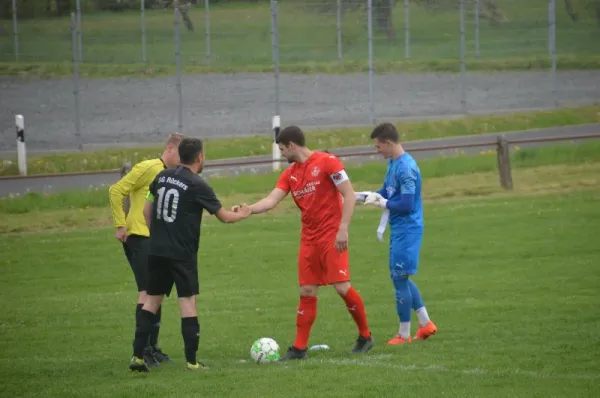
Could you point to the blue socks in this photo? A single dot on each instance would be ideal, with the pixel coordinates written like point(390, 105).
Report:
point(409, 298)
point(404, 298)
point(417, 301)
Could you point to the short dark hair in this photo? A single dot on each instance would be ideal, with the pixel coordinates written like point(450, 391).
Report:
point(385, 132)
point(189, 149)
point(291, 134)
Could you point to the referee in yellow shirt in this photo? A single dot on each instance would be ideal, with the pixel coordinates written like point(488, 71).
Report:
point(132, 231)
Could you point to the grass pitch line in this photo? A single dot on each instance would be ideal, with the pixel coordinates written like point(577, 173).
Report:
point(377, 361)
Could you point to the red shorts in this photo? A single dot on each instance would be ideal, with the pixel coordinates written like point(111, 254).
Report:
point(322, 264)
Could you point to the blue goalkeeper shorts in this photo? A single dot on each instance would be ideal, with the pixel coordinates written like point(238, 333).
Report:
point(404, 255)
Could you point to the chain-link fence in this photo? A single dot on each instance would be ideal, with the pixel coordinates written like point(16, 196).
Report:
point(226, 67)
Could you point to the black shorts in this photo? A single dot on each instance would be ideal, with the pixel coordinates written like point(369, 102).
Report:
point(136, 251)
point(163, 272)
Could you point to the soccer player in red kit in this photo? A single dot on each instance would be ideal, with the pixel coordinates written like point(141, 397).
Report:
point(322, 191)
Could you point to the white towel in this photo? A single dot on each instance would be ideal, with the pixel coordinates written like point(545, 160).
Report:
point(383, 224)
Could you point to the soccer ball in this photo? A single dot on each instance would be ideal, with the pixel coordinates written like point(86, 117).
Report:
point(264, 350)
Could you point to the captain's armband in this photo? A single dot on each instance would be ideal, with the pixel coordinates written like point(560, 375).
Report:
point(339, 177)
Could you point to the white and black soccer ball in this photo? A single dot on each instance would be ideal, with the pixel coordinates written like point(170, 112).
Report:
point(264, 350)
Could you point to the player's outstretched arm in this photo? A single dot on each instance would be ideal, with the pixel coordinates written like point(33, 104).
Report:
point(229, 217)
point(362, 195)
point(205, 196)
point(267, 203)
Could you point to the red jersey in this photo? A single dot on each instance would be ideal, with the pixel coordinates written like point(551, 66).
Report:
point(313, 187)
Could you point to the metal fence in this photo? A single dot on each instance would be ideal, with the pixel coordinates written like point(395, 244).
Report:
point(390, 59)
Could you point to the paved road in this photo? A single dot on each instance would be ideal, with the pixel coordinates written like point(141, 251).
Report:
point(10, 187)
point(142, 110)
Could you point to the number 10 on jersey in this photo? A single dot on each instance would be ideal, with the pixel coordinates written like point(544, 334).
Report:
point(166, 208)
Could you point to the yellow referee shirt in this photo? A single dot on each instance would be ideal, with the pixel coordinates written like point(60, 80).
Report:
point(135, 185)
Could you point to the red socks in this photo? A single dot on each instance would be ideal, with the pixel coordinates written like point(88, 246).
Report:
point(356, 307)
point(305, 317)
point(307, 312)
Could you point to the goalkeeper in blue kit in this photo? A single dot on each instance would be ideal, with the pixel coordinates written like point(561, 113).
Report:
point(400, 198)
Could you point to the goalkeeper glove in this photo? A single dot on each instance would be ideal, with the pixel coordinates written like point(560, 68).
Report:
point(361, 196)
point(375, 199)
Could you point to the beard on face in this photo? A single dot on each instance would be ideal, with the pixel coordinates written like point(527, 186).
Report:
point(290, 159)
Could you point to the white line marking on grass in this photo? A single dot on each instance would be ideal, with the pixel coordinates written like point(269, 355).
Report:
point(376, 361)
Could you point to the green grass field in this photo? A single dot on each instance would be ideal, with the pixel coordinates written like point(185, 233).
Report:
point(538, 170)
point(513, 292)
point(112, 159)
point(241, 40)
point(511, 281)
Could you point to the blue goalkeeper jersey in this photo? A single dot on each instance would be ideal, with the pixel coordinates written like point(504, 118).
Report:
point(404, 177)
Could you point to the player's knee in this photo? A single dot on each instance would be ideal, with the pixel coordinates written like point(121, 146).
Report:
point(142, 297)
point(187, 306)
point(342, 288)
point(308, 290)
point(152, 303)
point(403, 297)
point(401, 284)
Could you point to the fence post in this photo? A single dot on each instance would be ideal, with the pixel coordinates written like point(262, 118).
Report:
point(143, 26)
point(339, 29)
point(463, 83)
point(21, 153)
point(504, 163)
point(207, 24)
point(15, 29)
point(553, 53)
point(178, 60)
point(275, 41)
point(406, 27)
point(276, 151)
point(79, 33)
point(550, 33)
point(76, 81)
point(370, 40)
point(477, 28)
